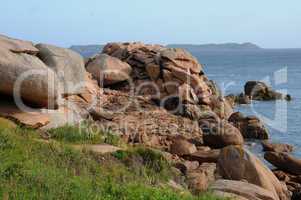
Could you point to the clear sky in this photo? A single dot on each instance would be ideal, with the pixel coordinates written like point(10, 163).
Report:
point(268, 23)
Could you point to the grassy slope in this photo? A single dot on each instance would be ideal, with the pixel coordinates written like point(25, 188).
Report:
point(31, 169)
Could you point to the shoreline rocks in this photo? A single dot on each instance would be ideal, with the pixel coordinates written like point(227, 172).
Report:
point(240, 190)
point(220, 134)
point(250, 127)
point(279, 148)
point(236, 163)
point(238, 99)
point(284, 161)
point(190, 118)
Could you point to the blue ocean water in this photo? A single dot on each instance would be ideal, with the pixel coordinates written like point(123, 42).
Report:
point(280, 68)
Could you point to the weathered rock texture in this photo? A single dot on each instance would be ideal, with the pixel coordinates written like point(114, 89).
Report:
point(251, 127)
point(280, 148)
point(169, 71)
point(37, 83)
point(220, 134)
point(200, 178)
point(17, 46)
point(284, 161)
point(108, 70)
point(241, 190)
point(68, 65)
point(236, 163)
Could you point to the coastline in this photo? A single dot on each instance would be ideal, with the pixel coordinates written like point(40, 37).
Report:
point(174, 109)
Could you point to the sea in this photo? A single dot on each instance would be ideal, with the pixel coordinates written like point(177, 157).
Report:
point(279, 68)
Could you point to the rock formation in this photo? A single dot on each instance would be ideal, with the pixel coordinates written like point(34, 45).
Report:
point(68, 65)
point(251, 126)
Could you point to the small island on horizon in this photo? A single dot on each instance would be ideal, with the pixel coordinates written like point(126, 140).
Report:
point(218, 47)
point(90, 50)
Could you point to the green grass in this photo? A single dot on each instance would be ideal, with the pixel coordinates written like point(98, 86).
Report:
point(146, 161)
point(83, 133)
point(30, 169)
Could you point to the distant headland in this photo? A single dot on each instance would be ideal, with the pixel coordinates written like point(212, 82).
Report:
point(90, 50)
point(87, 50)
point(218, 47)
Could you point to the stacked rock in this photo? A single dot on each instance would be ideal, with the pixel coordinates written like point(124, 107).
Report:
point(174, 72)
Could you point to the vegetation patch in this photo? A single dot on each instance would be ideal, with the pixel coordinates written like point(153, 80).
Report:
point(83, 133)
point(31, 169)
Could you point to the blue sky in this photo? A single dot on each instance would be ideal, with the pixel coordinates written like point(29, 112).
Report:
point(269, 23)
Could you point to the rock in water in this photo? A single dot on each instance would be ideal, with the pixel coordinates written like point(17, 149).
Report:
point(285, 148)
point(68, 65)
point(284, 161)
point(109, 70)
point(236, 163)
point(38, 88)
point(261, 91)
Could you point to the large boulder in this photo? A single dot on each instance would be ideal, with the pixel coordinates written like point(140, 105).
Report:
point(108, 70)
point(38, 83)
point(251, 127)
point(284, 161)
point(240, 190)
point(258, 90)
point(68, 65)
point(220, 134)
point(236, 163)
